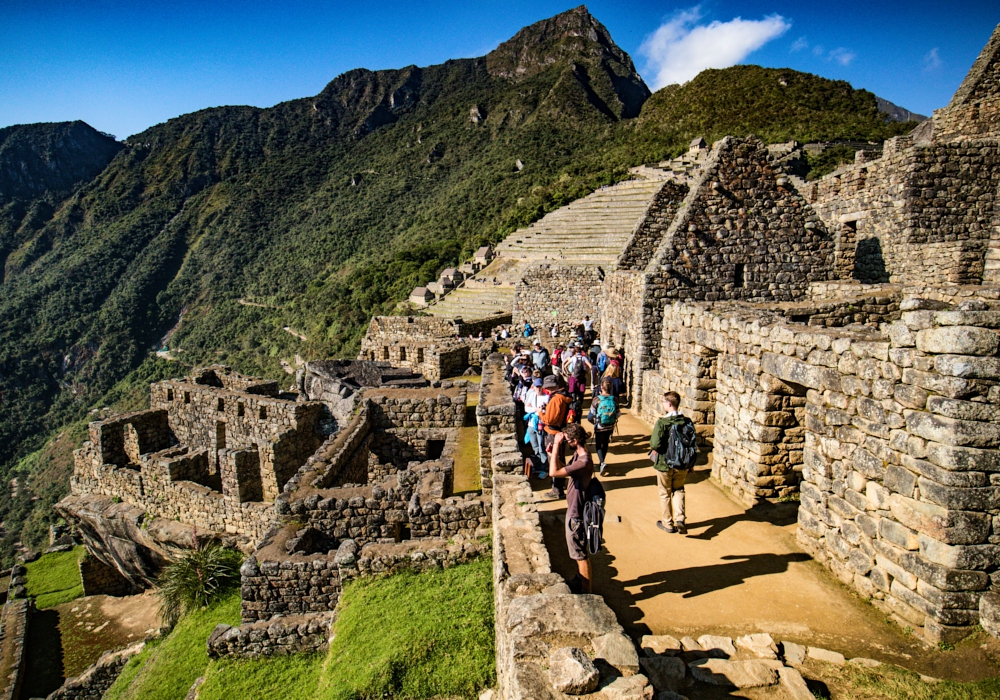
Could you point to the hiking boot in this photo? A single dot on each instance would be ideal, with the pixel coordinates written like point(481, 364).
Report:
point(552, 494)
point(682, 528)
point(602, 468)
point(665, 528)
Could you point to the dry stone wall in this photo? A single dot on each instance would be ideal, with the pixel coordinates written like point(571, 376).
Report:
point(435, 347)
point(549, 293)
point(95, 681)
point(888, 434)
point(16, 617)
point(100, 579)
point(494, 414)
point(917, 213)
point(650, 231)
point(742, 232)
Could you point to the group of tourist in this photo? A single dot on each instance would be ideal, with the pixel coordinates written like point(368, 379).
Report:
point(582, 331)
point(549, 391)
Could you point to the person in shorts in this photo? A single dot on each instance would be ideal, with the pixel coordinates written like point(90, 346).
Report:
point(578, 470)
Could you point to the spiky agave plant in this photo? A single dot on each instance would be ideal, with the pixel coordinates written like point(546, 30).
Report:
point(196, 579)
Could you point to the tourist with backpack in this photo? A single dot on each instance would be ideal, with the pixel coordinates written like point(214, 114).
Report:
point(535, 401)
point(673, 449)
point(580, 472)
point(603, 415)
point(614, 373)
point(540, 357)
point(553, 419)
point(577, 368)
point(602, 360)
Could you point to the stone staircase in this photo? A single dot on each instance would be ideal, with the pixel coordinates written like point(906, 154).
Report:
point(592, 230)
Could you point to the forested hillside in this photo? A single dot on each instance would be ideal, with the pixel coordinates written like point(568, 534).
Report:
point(228, 225)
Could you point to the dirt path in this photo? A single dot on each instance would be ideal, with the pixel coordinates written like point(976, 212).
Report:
point(736, 572)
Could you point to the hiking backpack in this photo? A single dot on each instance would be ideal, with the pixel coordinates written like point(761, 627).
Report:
point(593, 515)
point(606, 414)
point(682, 446)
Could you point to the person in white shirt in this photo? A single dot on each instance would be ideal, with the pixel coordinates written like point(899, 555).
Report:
point(535, 401)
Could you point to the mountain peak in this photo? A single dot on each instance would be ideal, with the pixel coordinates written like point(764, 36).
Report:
point(572, 35)
point(573, 40)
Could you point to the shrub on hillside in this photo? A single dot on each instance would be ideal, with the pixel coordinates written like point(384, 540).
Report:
point(196, 579)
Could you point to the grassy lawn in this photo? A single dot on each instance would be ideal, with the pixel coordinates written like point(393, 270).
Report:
point(166, 669)
point(55, 578)
point(287, 677)
point(893, 683)
point(405, 636)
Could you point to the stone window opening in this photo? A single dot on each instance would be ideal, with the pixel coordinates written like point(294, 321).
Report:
point(420, 355)
point(869, 263)
point(385, 352)
point(220, 435)
point(240, 409)
point(402, 354)
point(739, 276)
point(187, 397)
point(800, 318)
point(435, 448)
point(401, 532)
point(262, 413)
point(221, 406)
point(170, 394)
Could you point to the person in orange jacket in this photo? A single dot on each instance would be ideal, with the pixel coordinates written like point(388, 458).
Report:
point(553, 419)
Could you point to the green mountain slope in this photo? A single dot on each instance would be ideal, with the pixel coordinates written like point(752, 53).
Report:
point(776, 104)
point(223, 228)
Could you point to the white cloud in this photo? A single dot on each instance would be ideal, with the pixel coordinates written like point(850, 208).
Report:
point(681, 48)
point(842, 56)
point(932, 61)
point(800, 44)
point(818, 50)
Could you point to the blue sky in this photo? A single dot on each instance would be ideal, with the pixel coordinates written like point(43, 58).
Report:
point(123, 67)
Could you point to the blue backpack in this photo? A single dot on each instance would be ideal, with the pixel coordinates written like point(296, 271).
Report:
point(606, 414)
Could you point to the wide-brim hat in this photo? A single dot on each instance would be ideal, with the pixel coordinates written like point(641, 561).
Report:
point(550, 382)
point(611, 352)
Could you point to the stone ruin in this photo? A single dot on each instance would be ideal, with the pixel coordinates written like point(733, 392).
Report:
point(312, 498)
point(339, 383)
point(434, 347)
point(836, 342)
point(208, 458)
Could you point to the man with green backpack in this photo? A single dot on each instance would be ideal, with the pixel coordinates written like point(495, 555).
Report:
point(673, 449)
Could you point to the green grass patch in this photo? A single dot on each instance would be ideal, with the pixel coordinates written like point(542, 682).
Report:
point(55, 578)
point(166, 669)
point(414, 636)
point(287, 677)
point(893, 683)
point(404, 636)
